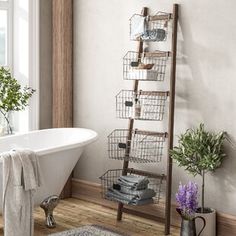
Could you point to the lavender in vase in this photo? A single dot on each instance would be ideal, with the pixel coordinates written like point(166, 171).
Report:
point(186, 198)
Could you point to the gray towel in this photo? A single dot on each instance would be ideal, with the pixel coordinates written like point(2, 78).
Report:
point(131, 199)
point(139, 194)
point(115, 195)
point(142, 202)
point(133, 182)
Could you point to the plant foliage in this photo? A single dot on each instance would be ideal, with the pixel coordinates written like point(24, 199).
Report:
point(199, 150)
point(12, 96)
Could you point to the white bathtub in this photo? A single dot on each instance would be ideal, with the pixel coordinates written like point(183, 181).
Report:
point(58, 151)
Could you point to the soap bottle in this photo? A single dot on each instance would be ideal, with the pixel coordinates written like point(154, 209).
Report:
point(137, 109)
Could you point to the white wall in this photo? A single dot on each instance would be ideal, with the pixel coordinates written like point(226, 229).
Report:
point(205, 81)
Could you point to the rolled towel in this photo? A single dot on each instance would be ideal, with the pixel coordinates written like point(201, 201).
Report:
point(139, 194)
point(154, 35)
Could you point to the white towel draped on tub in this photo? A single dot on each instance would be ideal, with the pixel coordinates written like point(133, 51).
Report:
point(21, 177)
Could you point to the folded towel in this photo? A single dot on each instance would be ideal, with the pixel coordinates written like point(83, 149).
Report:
point(128, 199)
point(143, 74)
point(112, 195)
point(142, 202)
point(133, 182)
point(139, 194)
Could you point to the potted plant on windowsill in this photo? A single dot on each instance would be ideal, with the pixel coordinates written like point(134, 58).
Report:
point(12, 96)
point(200, 151)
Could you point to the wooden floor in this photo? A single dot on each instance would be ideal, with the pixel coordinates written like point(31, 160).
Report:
point(73, 213)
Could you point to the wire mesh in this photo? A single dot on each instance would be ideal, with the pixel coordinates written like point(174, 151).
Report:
point(150, 28)
point(143, 147)
point(144, 105)
point(145, 66)
point(110, 178)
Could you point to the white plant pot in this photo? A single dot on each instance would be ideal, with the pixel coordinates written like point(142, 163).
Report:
point(210, 229)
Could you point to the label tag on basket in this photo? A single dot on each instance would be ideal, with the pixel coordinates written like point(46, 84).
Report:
point(122, 145)
point(134, 63)
point(128, 103)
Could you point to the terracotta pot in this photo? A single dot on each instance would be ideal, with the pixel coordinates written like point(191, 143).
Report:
point(210, 218)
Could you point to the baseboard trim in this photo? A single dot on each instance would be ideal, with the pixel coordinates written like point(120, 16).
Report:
point(88, 191)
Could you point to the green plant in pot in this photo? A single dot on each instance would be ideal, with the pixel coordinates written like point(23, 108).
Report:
point(200, 152)
point(12, 96)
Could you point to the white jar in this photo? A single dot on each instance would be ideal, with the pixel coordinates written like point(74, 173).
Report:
point(210, 229)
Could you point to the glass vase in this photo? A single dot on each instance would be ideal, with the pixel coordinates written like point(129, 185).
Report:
point(6, 124)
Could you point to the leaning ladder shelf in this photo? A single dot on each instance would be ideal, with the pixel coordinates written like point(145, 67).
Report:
point(128, 144)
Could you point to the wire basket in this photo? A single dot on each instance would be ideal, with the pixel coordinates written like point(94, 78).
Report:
point(110, 178)
point(144, 105)
point(147, 66)
point(150, 28)
point(136, 146)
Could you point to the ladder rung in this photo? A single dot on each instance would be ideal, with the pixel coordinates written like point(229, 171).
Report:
point(146, 173)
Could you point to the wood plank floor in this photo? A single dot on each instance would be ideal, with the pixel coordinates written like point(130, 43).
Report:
point(73, 213)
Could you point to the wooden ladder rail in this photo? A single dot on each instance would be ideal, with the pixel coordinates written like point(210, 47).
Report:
point(171, 119)
point(131, 124)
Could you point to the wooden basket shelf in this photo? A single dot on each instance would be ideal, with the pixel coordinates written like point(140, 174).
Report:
point(133, 145)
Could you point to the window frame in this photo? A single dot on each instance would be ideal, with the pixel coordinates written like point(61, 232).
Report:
point(34, 58)
point(8, 6)
point(33, 55)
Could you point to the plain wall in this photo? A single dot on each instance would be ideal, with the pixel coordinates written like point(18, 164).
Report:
point(205, 91)
point(45, 120)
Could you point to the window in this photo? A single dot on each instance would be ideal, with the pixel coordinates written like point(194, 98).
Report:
point(6, 33)
point(19, 50)
point(3, 37)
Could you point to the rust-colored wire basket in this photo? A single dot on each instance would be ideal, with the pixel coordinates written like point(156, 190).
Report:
point(143, 147)
point(149, 28)
point(147, 66)
point(110, 178)
point(143, 105)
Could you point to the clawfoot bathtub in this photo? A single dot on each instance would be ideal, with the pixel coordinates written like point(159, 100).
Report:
point(58, 150)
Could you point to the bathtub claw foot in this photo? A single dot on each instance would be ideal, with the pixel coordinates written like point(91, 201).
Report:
point(48, 206)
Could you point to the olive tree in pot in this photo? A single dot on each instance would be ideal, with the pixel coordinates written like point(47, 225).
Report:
point(200, 151)
point(12, 96)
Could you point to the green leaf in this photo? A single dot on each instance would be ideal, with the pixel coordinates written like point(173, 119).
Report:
point(199, 150)
point(12, 96)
